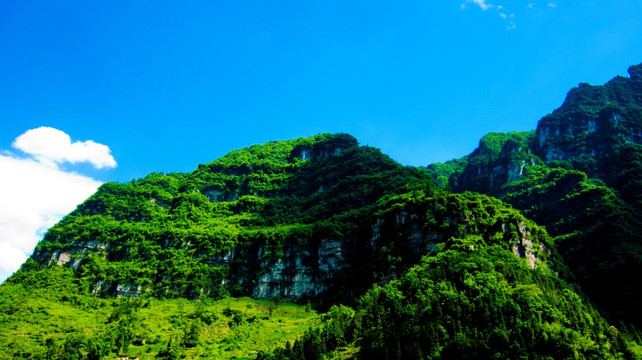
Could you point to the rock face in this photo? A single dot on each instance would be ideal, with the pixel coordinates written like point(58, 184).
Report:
point(330, 257)
point(72, 255)
point(294, 280)
point(592, 120)
point(523, 247)
point(580, 134)
point(129, 290)
point(304, 274)
point(499, 159)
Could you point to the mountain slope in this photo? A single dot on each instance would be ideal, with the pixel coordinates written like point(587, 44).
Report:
point(579, 175)
point(301, 219)
point(277, 220)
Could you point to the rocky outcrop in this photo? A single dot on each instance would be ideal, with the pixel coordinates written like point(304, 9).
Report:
point(71, 255)
point(524, 248)
point(330, 257)
point(289, 276)
point(498, 160)
point(592, 120)
point(130, 290)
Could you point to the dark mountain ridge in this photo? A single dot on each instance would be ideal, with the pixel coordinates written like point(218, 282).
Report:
point(578, 174)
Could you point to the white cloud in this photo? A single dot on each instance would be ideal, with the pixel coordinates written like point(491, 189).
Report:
point(482, 4)
point(511, 25)
point(35, 195)
point(503, 15)
point(530, 5)
point(552, 5)
point(51, 147)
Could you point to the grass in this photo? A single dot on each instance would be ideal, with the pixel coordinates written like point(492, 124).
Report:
point(261, 325)
point(231, 328)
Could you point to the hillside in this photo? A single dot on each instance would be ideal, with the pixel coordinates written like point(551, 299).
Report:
point(280, 220)
point(321, 248)
point(578, 174)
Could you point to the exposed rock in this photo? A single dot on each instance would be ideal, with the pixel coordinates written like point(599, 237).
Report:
point(515, 171)
point(523, 246)
point(292, 281)
point(129, 290)
point(214, 195)
point(331, 257)
point(290, 278)
point(98, 287)
point(222, 259)
point(63, 258)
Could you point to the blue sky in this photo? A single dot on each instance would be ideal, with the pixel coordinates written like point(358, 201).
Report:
point(166, 85)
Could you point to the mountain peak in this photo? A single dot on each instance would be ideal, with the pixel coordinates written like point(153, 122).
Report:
point(635, 71)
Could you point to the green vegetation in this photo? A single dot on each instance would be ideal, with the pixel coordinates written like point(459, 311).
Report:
point(398, 266)
point(472, 300)
point(579, 175)
point(48, 316)
point(217, 230)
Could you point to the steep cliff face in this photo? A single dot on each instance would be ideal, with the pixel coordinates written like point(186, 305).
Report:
point(591, 122)
point(580, 135)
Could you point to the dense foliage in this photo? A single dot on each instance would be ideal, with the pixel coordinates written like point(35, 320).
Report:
point(471, 297)
point(579, 175)
point(213, 231)
point(470, 301)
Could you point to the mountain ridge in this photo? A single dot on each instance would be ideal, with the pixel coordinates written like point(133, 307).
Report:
point(237, 208)
point(578, 175)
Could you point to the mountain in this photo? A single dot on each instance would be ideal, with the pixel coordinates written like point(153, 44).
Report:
point(303, 219)
point(578, 174)
point(319, 247)
point(280, 220)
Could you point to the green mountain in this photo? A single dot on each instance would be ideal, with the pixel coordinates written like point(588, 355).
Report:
point(579, 175)
point(320, 248)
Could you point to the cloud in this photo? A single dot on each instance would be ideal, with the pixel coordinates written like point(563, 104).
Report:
point(500, 11)
point(35, 195)
point(552, 5)
point(482, 4)
point(530, 5)
point(52, 147)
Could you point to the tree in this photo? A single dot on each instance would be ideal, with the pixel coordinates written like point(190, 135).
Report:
point(192, 334)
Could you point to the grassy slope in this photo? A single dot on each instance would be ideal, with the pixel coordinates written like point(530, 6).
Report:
point(35, 320)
